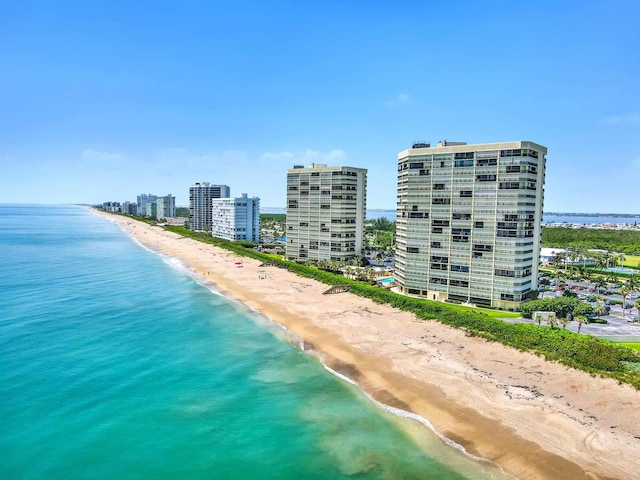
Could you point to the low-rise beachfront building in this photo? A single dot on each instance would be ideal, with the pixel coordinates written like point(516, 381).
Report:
point(200, 197)
point(325, 212)
point(468, 221)
point(236, 218)
point(143, 199)
point(166, 207)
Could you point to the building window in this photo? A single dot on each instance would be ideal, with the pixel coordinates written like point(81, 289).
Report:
point(416, 166)
point(441, 201)
point(463, 163)
point(466, 193)
point(487, 162)
point(478, 224)
point(486, 178)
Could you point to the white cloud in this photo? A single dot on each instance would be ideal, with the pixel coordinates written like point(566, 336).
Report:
point(399, 99)
point(102, 158)
point(632, 118)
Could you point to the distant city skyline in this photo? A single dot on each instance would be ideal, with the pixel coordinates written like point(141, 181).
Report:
point(102, 102)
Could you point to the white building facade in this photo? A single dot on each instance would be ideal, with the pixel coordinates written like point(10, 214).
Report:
point(200, 197)
point(166, 207)
point(468, 221)
point(326, 209)
point(236, 218)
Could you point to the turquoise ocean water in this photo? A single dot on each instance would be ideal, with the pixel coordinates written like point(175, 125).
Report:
point(115, 363)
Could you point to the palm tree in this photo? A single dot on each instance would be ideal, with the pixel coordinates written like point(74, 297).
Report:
point(557, 260)
point(581, 319)
point(632, 283)
point(552, 321)
point(600, 261)
point(538, 318)
point(624, 291)
point(599, 283)
point(599, 310)
point(620, 258)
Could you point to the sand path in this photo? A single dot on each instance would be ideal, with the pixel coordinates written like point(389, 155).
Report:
point(536, 419)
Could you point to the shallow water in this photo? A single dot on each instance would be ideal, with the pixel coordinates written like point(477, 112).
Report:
point(117, 364)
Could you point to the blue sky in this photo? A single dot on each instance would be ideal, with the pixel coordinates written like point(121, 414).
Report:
point(104, 100)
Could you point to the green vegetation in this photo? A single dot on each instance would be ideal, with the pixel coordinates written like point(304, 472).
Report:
point(634, 346)
point(277, 217)
point(625, 241)
point(182, 212)
point(632, 261)
point(584, 352)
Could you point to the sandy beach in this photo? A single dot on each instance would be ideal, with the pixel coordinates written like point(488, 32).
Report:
point(534, 418)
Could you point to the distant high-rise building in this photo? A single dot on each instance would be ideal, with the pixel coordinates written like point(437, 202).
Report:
point(143, 199)
point(152, 209)
point(200, 196)
point(325, 212)
point(468, 221)
point(112, 207)
point(166, 207)
point(236, 218)
point(130, 208)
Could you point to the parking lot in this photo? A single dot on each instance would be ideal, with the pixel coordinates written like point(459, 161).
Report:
point(617, 323)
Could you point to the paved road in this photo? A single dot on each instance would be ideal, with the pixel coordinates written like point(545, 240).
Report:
point(617, 324)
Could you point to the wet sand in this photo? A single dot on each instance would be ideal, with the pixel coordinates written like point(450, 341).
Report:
point(534, 418)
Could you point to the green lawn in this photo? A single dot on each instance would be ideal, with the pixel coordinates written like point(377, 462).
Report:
point(632, 261)
point(635, 346)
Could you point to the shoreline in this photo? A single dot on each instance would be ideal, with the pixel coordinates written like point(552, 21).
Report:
point(531, 417)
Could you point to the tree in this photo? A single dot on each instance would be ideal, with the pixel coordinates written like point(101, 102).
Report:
point(637, 305)
point(582, 308)
point(538, 318)
point(624, 291)
point(599, 283)
point(558, 259)
point(581, 319)
point(599, 310)
point(552, 321)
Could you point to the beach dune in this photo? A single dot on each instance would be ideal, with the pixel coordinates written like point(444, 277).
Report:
point(534, 418)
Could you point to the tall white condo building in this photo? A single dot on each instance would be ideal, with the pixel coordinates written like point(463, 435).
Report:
point(325, 212)
point(468, 221)
point(200, 197)
point(236, 218)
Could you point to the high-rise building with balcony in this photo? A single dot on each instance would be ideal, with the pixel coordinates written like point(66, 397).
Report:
point(325, 212)
point(468, 221)
point(166, 207)
point(236, 218)
point(200, 196)
point(143, 199)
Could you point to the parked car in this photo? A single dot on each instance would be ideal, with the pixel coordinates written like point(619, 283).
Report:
point(592, 290)
point(609, 302)
point(627, 306)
